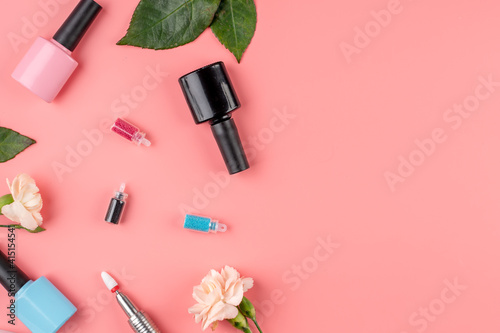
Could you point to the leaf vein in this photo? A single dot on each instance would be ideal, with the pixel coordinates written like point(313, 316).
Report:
point(234, 23)
point(162, 19)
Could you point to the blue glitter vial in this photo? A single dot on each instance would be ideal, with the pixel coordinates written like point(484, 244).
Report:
point(203, 224)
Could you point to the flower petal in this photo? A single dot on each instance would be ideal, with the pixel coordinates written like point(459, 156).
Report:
point(218, 296)
point(196, 309)
point(13, 211)
point(219, 311)
point(247, 284)
point(234, 296)
point(27, 202)
point(17, 213)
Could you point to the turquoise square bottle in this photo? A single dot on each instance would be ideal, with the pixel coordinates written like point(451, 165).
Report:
point(38, 304)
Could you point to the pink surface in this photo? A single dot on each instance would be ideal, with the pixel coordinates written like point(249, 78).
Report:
point(328, 113)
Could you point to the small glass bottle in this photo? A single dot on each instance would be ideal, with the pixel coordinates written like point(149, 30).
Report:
point(116, 206)
point(130, 132)
point(203, 224)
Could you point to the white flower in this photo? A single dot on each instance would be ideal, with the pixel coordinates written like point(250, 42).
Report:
point(218, 296)
point(27, 202)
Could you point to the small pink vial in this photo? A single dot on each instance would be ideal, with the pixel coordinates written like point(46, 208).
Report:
point(130, 132)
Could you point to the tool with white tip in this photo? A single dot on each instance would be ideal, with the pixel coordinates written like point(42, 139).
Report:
point(138, 320)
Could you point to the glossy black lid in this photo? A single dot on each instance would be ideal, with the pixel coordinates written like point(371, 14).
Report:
point(209, 92)
point(11, 277)
point(72, 30)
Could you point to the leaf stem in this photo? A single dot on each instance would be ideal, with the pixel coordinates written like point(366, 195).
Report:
point(255, 322)
point(15, 226)
point(18, 226)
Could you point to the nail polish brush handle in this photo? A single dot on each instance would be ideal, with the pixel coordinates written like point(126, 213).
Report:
point(141, 323)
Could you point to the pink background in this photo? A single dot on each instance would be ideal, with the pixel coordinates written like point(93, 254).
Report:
point(318, 174)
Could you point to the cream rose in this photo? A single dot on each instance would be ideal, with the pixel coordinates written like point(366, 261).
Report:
point(218, 296)
point(27, 202)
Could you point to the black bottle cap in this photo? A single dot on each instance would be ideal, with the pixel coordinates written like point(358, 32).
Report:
point(228, 140)
point(211, 97)
point(11, 277)
point(72, 30)
point(209, 92)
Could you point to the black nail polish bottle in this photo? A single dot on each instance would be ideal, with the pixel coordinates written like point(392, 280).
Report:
point(211, 97)
point(116, 205)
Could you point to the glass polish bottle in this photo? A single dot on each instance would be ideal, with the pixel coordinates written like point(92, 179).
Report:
point(130, 132)
point(116, 206)
point(203, 224)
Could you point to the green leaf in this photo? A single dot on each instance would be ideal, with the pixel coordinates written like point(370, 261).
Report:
point(12, 143)
point(234, 25)
point(165, 24)
point(37, 230)
point(18, 226)
point(5, 200)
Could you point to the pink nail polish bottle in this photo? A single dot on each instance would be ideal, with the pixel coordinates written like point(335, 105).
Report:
point(48, 63)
